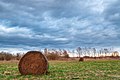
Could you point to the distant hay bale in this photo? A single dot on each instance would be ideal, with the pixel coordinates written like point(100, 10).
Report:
point(81, 59)
point(33, 62)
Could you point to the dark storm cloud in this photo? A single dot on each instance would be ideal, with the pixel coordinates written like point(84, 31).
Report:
point(59, 23)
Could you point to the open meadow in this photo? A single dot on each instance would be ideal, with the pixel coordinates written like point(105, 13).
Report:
point(66, 70)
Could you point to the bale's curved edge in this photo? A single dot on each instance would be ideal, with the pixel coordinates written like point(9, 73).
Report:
point(33, 62)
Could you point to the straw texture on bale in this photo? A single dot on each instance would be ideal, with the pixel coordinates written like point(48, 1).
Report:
point(33, 62)
point(81, 59)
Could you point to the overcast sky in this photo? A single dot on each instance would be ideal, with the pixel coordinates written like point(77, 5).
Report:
point(37, 24)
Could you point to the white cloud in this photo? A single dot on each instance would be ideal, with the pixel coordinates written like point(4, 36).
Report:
point(15, 31)
point(61, 39)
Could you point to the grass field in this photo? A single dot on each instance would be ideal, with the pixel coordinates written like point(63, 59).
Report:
point(66, 70)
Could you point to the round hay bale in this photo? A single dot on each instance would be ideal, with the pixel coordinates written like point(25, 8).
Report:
point(34, 63)
point(81, 59)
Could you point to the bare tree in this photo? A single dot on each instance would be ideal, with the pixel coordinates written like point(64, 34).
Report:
point(79, 51)
point(106, 51)
point(73, 53)
point(94, 52)
point(65, 54)
point(88, 52)
point(45, 51)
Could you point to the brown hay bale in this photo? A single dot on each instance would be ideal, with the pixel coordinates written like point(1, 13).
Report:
point(81, 59)
point(33, 62)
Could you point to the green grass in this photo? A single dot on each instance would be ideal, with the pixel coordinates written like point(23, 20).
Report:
point(67, 70)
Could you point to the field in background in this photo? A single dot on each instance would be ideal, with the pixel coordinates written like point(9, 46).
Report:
point(66, 70)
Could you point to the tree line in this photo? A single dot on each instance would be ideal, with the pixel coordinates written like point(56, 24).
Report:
point(93, 52)
point(55, 54)
point(9, 56)
point(83, 52)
